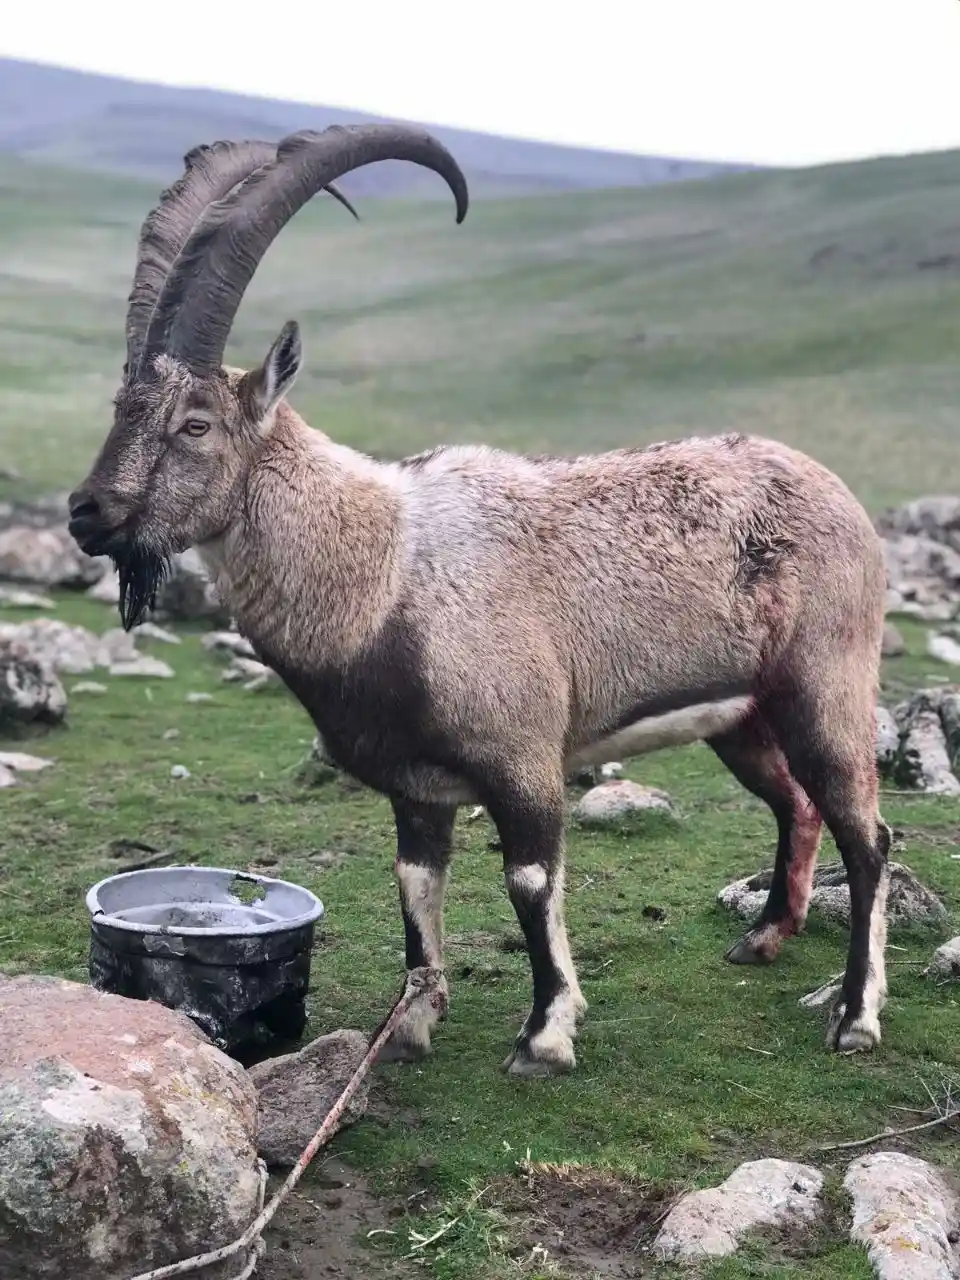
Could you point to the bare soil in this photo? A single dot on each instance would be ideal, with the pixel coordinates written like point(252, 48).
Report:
point(321, 1231)
point(586, 1222)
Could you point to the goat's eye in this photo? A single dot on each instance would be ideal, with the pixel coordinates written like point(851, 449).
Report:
point(195, 427)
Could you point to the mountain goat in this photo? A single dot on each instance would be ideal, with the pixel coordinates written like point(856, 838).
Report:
point(468, 625)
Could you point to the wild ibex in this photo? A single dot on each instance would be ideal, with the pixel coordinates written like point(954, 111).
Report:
point(468, 625)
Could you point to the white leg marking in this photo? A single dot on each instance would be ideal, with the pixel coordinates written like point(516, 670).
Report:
point(875, 991)
point(551, 1049)
point(864, 1032)
point(673, 729)
point(422, 890)
point(527, 881)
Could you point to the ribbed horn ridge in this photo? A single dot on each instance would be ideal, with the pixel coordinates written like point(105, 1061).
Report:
point(210, 173)
point(202, 292)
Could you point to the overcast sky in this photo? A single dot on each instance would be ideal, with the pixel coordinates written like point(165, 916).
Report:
point(768, 81)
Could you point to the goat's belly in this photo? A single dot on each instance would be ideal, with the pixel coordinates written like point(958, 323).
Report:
point(672, 729)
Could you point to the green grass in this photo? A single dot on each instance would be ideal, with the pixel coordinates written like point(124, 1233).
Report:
point(686, 1065)
point(564, 324)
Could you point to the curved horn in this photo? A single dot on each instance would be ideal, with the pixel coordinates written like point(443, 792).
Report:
point(203, 291)
point(211, 172)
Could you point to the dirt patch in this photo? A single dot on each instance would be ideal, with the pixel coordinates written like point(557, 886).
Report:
point(583, 1221)
point(321, 1231)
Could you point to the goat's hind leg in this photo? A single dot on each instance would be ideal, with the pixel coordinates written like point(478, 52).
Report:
point(532, 836)
point(826, 720)
point(752, 754)
point(424, 843)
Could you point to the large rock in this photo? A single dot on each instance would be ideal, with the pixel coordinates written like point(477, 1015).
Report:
point(924, 755)
point(297, 1090)
point(127, 1140)
point(923, 577)
point(622, 805)
point(904, 1212)
point(936, 516)
point(30, 691)
point(762, 1193)
point(49, 557)
point(909, 902)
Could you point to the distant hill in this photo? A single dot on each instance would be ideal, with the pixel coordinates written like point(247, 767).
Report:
point(64, 117)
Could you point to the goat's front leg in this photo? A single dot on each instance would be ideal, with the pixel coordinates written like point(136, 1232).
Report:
point(532, 838)
point(424, 842)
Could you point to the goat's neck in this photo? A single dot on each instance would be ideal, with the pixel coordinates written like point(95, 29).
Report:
point(311, 566)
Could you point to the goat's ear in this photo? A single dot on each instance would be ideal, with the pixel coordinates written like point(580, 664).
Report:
point(271, 382)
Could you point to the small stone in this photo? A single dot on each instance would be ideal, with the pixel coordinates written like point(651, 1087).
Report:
point(199, 697)
point(170, 734)
point(622, 804)
point(7, 778)
point(612, 769)
point(297, 1090)
point(893, 644)
point(143, 665)
point(945, 965)
point(944, 649)
point(230, 642)
point(246, 669)
point(152, 632)
point(823, 994)
point(179, 771)
point(107, 590)
point(20, 762)
point(761, 1193)
point(89, 686)
point(903, 1212)
point(11, 598)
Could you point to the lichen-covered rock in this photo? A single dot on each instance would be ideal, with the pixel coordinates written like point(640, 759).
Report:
point(904, 1212)
point(909, 902)
point(30, 692)
point(128, 1141)
point(621, 804)
point(49, 557)
point(923, 576)
point(945, 965)
point(923, 760)
point(762, 1193)
point(888, 741)
point(297, 1090)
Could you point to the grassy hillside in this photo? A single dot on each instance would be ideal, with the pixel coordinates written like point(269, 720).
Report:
point(821, 307)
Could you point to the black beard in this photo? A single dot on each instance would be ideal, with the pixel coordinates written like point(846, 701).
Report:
point(141, 572)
